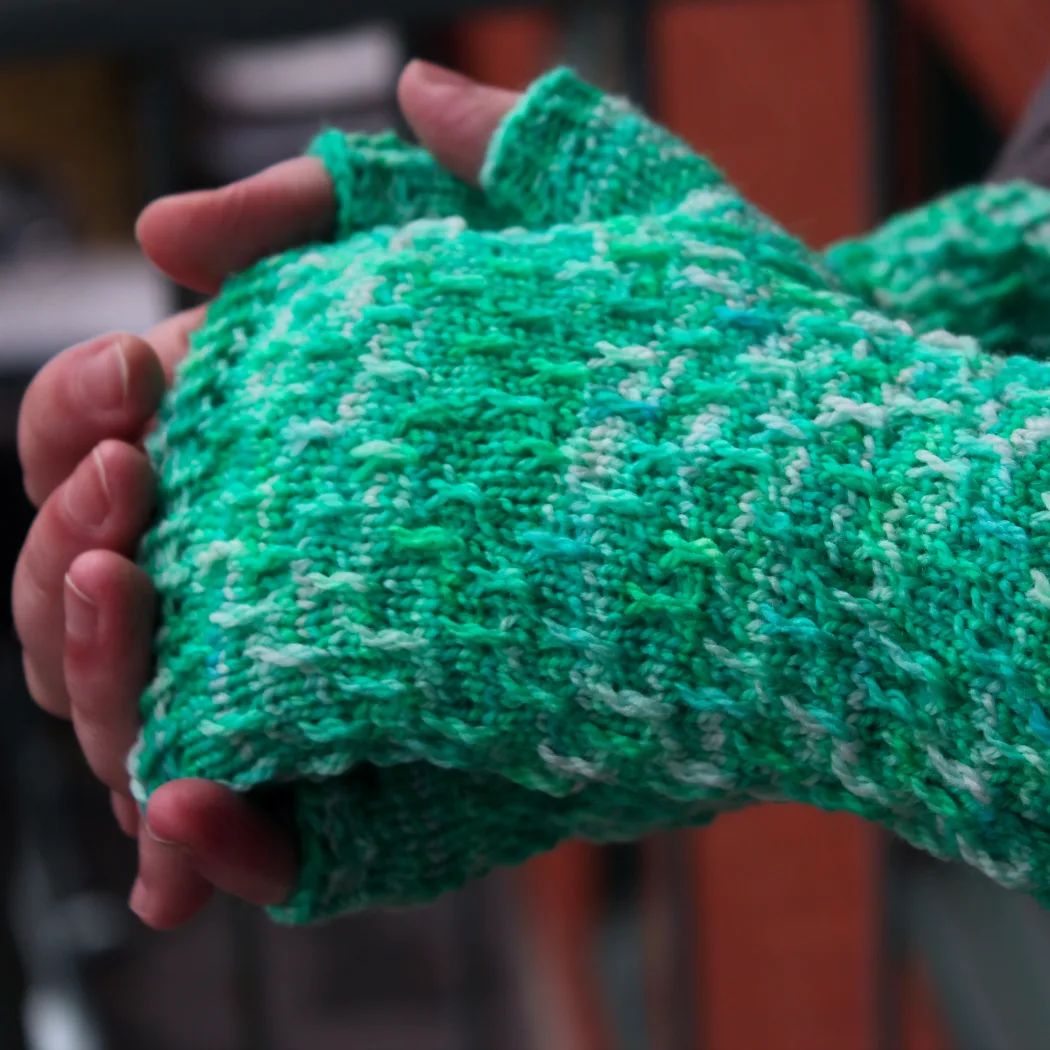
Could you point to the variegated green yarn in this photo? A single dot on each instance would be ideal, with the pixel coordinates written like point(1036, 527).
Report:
point(600, 507)
point(975, 263)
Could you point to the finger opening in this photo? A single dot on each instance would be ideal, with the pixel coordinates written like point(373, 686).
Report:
point(171, 338)
point(126, 812)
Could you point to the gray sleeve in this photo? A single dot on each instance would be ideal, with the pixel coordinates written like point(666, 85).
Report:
point(1027, 152)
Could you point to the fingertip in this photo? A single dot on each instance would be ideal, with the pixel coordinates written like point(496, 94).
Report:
point(168, 816)
point(139, 901)
point(128, 469)
point(142, 376)
point(106, 503)
point(107, 578)
point(453, 116)
point(152, 223)
point(233, 845)
point(199, 239)
point(110, 604)
point(108, 386)
point(109, 607)
point(81, 614)
point(164, 909)
point(420, 75)
point(168, 891)
point(162, 232)
point(49, 697)
point(144, 223)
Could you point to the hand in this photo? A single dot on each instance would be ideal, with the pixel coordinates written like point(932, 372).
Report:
point(83, 609)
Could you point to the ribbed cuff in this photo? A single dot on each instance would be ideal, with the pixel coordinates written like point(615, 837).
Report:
point(401, 835)
point(379, 180)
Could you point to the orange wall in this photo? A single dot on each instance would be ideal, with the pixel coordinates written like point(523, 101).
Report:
point(1003, 47)
point(773, 91)
point(787, 925)
point(507, 48)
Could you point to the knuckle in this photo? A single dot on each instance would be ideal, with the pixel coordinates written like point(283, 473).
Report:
point(120, 456)
point(109, 771)
point(101, 747)
point(233, 200)
point(30, 598)
point(29, 443)
point(47, 697)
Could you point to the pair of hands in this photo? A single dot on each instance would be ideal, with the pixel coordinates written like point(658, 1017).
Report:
point(83, 609)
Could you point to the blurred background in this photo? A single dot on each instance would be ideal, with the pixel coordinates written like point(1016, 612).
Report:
point(779, 927)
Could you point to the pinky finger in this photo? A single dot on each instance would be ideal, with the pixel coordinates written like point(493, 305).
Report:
point(234, 845)
point(126, 812)
point(168, 891)
point(109, 624)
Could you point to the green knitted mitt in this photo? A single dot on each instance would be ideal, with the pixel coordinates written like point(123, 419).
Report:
point(975, 263)
point(600, 507)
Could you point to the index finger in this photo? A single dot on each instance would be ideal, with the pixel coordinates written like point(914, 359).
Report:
point(198, 239)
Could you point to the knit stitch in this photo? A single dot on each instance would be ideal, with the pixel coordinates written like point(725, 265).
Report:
point(975, 263)
point(601, 508)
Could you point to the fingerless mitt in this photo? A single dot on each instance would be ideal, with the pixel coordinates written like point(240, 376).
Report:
point(592, 502)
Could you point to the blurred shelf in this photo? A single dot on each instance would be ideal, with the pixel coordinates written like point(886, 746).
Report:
point(293, 77)
point(51, 301)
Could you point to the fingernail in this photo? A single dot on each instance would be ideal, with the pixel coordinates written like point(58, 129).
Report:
point(158, 838)
point(138, 902)
point(440, 76)
point(104, 379)
point(81, 614)
point(87, 496)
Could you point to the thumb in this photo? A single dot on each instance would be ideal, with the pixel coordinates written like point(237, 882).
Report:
point(453, 117)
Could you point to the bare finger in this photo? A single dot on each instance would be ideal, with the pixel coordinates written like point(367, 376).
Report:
point(168, 890)
point(109, 606)
point(106, 388)
point(199, 239)
point(233, 844)
point(105, 505)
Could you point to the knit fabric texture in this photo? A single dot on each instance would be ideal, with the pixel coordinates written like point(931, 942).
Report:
point(593, 503)
point(975, 263)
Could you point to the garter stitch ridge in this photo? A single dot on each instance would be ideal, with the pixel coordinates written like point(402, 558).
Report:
point(592, 502)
